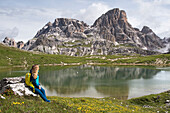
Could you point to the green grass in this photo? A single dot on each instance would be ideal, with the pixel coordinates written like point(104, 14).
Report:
point(124, 45)
point(87, 45)
point(156, 101)
point(14, 103)
point(88, 36)
point(10, 56)
point(145, 59)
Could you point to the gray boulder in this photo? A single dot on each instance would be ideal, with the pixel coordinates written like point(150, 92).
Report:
point(17, 85)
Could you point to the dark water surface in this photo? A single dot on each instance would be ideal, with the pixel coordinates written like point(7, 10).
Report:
point(100, 81)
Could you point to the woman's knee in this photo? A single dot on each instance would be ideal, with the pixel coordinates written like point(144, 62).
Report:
point(37, 91)
point(42, 89)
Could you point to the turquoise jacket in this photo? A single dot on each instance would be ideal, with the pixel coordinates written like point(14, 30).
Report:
point(35, 82)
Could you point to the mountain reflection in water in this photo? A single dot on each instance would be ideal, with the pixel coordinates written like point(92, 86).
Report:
point(92, 81)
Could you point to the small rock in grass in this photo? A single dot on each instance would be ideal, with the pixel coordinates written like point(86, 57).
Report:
point(2, 97)
point(147, 106)
point(167, 101)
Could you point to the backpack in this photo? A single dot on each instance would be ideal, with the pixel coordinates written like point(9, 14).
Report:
point(28, 82)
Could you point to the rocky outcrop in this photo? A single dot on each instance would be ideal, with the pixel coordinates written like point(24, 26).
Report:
point(12, 43)
point(29, 44)
point(44, 42)
point(20, 44)
point(17, 85)
point(9, 42)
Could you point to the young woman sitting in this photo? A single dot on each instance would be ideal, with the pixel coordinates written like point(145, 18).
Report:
point(35, 81)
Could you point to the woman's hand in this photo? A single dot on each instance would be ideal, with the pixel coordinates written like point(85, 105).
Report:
point(39, 87)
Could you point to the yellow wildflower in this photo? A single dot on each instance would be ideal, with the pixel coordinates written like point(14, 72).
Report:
point(79, 108)
point(14, 103)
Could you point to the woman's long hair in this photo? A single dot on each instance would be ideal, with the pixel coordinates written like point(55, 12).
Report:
point(34, 70)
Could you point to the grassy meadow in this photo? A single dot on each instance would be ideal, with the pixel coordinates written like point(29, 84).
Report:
point(28, 104)
point(10, 56)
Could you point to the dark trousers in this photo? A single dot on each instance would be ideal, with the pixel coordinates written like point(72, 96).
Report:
point(41, 92)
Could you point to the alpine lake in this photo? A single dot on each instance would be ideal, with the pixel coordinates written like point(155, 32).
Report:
point(121, 82)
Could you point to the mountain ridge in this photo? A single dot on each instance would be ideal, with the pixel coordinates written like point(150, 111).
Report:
point(110, 34)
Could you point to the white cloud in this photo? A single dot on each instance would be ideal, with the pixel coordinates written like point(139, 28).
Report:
point(92, 12)
point(82, 1)
point(153, 14)
point(166, 2)
point(28, 21)
point(8, 33)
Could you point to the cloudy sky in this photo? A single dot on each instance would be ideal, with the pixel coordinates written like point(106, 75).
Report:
point(21, 19)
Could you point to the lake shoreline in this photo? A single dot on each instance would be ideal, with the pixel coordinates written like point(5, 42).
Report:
point(112, 96)
point(93, 64)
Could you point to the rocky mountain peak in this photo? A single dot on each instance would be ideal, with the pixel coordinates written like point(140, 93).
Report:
point(123, 16)
point(146, 30)
point(114, 25)
point(49, 24)
point(62, 27)
point(111, 18)
point(117, 14)
point(65, 22)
